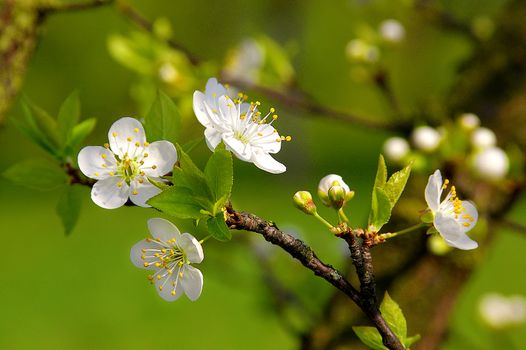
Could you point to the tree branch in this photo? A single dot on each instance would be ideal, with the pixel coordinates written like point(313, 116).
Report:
point(71, 7)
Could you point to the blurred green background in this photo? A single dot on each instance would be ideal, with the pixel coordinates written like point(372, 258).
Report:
point(82, 292)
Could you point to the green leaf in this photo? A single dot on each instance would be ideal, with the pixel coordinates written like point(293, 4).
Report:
point(393, 315)
point(163, 121)
point(411, 340)
point(192, 177)
point(370, 337)
point(219, 173)
point(380, 209)
point(381, 173)
point(159, 184)
point(218, 229)
point(179, 202)
point(69, 205)
point(190, 145)
point(68, 116)
point(80, 132)
point(396, 184)
point(37, 174)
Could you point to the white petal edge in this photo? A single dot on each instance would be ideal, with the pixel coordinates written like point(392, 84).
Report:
point(241, 150)
point(124, 128)
point(192, 248)
point(136, 253)
point(264, 161)
point(144, 191)
point(163, 229)
point(90, 160)
point(162, 155)
point(200, 110)
point(434, 191)
point(471, 210)
point(192, 282)
point(213, 138)
point(107, 194)
point(453, 232)
point(168, 287)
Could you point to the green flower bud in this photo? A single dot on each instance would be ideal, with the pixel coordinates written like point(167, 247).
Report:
point(325, 185)
point(337, 196)
point(303, 201)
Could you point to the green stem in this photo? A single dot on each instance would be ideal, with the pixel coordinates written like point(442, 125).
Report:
point(404, 231)
point(205, 239)
point(323, 221)
point(342, 216)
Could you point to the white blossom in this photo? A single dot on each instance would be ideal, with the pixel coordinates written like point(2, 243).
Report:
point(469, 121)
point(325, 185)
point(246, 63)
point(169, 254)
point(396, 148)
point(491, 163)
point(124, 166)
point(426, 138)
point(452, 217)
point(483, 138)
point(500, 312)
point(392, 30)
point(239, 126)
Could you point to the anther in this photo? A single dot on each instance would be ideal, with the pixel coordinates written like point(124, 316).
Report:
point(114, 134)
point(106, 145)
point(154, 166)
point(146, 264)
point(136, 129)
point(145, 155)
point(112, 173)
point(146, 144)
point(135, 192)
point(103, 156)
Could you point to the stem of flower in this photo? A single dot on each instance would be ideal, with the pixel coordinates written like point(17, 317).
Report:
point(342, 216)
point(323, 221)
point(404, 231)
point(205, 239)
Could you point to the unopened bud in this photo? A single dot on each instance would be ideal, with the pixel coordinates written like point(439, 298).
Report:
point(491, 164)
point(392, 31)
point(325, 185)
point(396, 148)
point(303, 201)
point(426, 139)
point(483, 138)
point(337, 196)
point(469, 121)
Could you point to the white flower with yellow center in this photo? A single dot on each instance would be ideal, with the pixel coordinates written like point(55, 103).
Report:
point(452, 217)
point(170, 253)
point(239, 125)
point(125, 164)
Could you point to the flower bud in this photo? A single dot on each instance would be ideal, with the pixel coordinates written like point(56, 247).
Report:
point(491, 163)
point(303, 201)
point(426, 139)
point(483, 138)
point(337, 196)
point(392, 31)
point(360, 51)
point(469, 121)
point(395, 149)
point(325, 185)
point(501, 312)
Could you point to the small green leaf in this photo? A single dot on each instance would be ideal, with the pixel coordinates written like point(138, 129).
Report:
point(394, 317)
point(381, 173)
point(218, 229)
point(37, 174)
point(370, 337)
point(192, 177)
point(396, 184)
point(159, 184)
point(380, 209)
point(179, 202)
point(80, 132)
point(219, 173)
point(163, 121)
point(69, 205)
point(68, 116)
point(411, 340)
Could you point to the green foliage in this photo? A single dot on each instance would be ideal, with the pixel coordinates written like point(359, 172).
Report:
point(217, 227)
point(163, 121)
point(69, 205)
point(68, 116)
point(199, 195)
point(37, 174)
point(393, 315)
point(385, 194)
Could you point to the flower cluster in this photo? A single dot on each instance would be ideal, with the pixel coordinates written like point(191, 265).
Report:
point(239, 126)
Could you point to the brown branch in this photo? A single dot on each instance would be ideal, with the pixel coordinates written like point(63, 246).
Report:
point(300, 251)
point(71, 7)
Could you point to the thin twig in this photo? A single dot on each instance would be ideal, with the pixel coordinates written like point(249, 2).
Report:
point(71, 7)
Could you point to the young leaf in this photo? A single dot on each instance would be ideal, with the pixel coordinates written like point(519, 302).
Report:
point(394, 317)
point(411, 340)
point(218, 229)
point(190, 145)
point(68, 116)
point(396, 184)
point(80, 132)
point(370, 337)
point(380, 209)
point(179, 202)
point(69, 205)
point(45, 124)
point(163, 121)
point(192, 177)
point(37, 174)
point(381, 173)
point(219, 173)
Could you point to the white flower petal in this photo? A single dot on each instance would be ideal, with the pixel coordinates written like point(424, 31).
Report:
point(434, 191)
point(191, 247)
point(228, 110)
point(96, 162)
point(328, 181)
point(469, 215)
point(264, 161)
point(163, 229)
point(162, 156)
point(192, 282)
point(214, 89)
point(167, 286)
point(267, 139)
point(213, 138)
point(136, 254)
point(107, 193)
point(200, 110)
point(141, 193)
point(123, 129)
point(453, 232)
point(241, 150)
